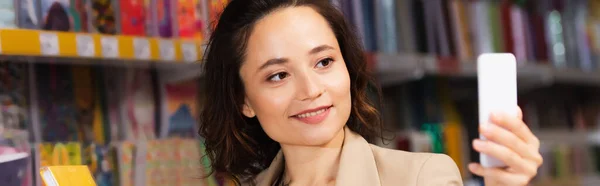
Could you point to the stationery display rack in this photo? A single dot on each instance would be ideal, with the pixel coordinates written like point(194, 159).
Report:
point(111, 84)
point(124, 101)
point(84, 46)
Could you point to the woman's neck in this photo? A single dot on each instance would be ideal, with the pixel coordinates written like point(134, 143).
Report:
point(313, 165)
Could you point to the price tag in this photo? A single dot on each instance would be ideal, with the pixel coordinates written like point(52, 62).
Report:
point(110, 47)
point(141, 48)
point(167, 50)
point(49, 44)
point(85, 46)
point(190, 52)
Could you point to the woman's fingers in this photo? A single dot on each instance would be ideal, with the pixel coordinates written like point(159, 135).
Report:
point(517, 126)
point(498, 176)
point(506, 155)
point(519, 113)
point(508, 139)
point(511, 141)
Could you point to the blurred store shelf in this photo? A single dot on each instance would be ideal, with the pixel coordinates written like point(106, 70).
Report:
point(395, 69)
point(70, 47)
point(558, 136)
point(574, 76)
point(398, 68)
point(589, 180)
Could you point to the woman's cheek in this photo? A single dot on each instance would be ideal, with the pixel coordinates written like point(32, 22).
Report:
point(338, 80)
point(275, 101)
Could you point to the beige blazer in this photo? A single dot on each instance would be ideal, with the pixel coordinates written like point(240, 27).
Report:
point(363, 164)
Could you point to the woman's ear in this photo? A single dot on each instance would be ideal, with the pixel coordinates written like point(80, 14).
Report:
point(247, 109)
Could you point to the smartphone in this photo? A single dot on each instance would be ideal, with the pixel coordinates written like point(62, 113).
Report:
point(497, 91)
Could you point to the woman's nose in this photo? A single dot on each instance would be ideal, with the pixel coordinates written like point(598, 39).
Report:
point(309, 86)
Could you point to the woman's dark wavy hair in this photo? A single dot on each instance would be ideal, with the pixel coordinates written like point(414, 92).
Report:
point(237, 145)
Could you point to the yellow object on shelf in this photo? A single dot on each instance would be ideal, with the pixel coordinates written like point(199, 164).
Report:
point(67, 176)
point(24, 42)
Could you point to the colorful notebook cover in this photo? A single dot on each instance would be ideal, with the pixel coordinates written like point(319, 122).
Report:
point(139, 105)
point(114, 86)
point(67, 176)
point(519, 33)
point(133, 17)
point(357, 19)
point(152, 165)
point(8, 14)
point(186, 18)
point(56, 15)
point(103, 17)
point(101, 125)
point(460, 25)
point(125, 152)
point(453, 129)
point(84, 96)
point(537, 26)
point(386, 26)
point(202, 32)
point(192, 163)
point(13, 95)
point(480, 27)
point(495, 21)
point(79, 15)
point(506, 26)
point(164, 13)
point(100, 162)
point(368, 9)
point(57, 109)
point(151, 23)
point(18, 141)
point(405, 29)
point(13, 168)
point(162, 163)
point(180, 105)
point(29, 14)
point(60, 154)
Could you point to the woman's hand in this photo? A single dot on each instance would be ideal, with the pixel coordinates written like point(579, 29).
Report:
point(510, 141)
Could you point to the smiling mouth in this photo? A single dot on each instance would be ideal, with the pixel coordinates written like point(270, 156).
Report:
point(313, 112)
point(313, 116)
point(305, 115)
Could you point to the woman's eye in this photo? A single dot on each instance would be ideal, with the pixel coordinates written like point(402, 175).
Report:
point(324, 63)
point(278, 77)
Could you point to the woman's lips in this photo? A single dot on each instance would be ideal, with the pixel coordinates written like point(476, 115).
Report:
point(313, 117)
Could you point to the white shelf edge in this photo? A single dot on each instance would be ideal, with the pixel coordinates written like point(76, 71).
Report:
point(398, 68)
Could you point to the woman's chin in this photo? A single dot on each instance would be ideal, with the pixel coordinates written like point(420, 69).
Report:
point(307, 135)
point(321, 136)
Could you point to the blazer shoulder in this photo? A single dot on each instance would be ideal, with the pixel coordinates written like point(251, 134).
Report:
point(396, 166)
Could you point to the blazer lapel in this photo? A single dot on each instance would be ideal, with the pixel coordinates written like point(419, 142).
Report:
point(268, 176)
point(357, 163)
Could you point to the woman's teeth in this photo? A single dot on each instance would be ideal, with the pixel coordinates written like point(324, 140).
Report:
point(312, 113)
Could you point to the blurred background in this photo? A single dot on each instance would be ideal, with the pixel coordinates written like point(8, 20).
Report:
point(114, 84)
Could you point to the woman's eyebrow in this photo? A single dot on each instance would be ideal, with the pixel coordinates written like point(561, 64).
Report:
point(278, 61)
point(320, 49)
point(274, 61)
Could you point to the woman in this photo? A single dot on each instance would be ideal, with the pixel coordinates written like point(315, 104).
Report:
point(286, 104)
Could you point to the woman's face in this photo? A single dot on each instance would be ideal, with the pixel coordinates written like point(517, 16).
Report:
point(295, 78)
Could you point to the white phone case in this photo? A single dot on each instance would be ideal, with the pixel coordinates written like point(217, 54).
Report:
point(497, 88)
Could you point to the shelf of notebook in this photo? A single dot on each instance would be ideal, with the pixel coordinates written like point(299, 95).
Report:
point(97, 47)
point(397, 68)
point(574, 76)
point(558, 136)
point(575, 180)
